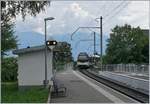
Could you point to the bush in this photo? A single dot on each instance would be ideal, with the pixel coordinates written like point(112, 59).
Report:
point(9, 69)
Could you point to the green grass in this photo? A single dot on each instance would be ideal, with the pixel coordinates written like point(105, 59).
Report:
point(11, 94)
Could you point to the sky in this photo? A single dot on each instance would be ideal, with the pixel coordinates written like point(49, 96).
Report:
point(69, 15)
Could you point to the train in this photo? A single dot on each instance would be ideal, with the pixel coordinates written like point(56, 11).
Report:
point(83, 60)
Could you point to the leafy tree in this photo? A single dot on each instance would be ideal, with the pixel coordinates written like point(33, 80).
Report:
point(13, 8)
point(9, 10)
point(9, 69)
point(62, 55)
point(8, 40)
point(145, 52)
point(63, 52)
point(125, 45)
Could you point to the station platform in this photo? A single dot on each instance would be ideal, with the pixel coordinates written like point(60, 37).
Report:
point(82, 89)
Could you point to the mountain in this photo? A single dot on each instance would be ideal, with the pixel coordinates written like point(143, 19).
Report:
point(29, 39)
point(33, 39)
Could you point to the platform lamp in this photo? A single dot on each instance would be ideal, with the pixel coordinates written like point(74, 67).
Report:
point(46, 81)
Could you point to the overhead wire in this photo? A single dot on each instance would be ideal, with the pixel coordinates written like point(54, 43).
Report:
point(110, 23)
point(112, 10)
point(115, 8)
point(116, 13)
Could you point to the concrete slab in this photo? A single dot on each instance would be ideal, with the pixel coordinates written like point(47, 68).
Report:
point(82, 89)
point(78, 91)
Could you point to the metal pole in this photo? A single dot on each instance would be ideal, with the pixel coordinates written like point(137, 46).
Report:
point(94, 44)
point(94, 49)
point(52, 62)
point(45, 82)
point(101, 42)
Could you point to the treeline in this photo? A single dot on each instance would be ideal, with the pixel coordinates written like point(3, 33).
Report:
point(127, 45)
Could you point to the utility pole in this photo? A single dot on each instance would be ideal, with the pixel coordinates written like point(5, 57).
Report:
point(101, 40)
point(101, 32)
point(94, 48)
point(94, 44)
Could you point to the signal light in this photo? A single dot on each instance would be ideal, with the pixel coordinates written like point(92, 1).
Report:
point(53, 42)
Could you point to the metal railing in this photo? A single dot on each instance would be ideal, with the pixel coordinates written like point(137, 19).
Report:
point(128, 68)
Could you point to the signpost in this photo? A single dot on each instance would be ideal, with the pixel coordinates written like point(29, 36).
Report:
point(51, 44)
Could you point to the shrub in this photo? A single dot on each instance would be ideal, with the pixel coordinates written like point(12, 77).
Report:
point(9, 69)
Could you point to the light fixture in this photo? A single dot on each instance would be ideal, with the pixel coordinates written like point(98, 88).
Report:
point(51, 42)
point(49, 18)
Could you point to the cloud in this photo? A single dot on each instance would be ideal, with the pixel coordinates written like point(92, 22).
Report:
point(79, 12)
point(70, 15)
point(136, 14)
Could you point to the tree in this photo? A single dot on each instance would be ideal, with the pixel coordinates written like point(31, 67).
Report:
point(9, 69)
point(125, 45)
point(8, 40)
point(9, 10)
point(63, 52)
point(62, 55)
point(13, 8)
point(145, 53)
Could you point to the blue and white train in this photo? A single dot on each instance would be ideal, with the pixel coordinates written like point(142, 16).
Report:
point(83, 60)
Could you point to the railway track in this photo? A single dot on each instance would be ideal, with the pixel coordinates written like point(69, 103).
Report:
point(139, 96)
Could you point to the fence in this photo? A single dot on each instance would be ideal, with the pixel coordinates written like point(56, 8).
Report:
point(131, 68)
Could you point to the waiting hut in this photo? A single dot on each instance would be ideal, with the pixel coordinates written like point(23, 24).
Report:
point(31, 66)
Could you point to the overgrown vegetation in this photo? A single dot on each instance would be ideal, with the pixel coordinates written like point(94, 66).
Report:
point(127, 45)
point(11, 94)
point(62, 55)
point(9, 69)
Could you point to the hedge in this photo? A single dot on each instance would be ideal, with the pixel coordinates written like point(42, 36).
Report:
point(9, 69)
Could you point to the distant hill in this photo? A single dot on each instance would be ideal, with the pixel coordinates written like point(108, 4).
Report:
point(29, 39)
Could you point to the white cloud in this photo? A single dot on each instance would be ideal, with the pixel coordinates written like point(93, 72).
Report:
point(75, 7)
point(137, 14)
point(71, 15)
